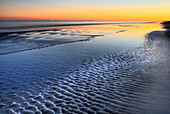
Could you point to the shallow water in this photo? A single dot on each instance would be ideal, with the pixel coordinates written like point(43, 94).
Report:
point(9, 26)
point(44, 78)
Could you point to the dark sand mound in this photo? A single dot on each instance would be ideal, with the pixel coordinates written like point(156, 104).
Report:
point(166, 24)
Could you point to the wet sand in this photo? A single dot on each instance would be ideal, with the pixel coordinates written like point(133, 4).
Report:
point(26, 41)
point(131, 81)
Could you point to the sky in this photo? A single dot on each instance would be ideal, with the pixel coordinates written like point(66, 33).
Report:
point(120, 10)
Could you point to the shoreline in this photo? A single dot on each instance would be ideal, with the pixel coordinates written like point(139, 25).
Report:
point(59, 25)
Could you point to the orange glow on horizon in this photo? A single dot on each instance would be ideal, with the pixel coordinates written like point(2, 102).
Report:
point(119, 13)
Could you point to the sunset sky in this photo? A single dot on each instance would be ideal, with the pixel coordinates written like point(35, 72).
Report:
point(139, 10)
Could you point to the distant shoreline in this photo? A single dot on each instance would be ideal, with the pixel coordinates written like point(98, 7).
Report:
point(56, 25)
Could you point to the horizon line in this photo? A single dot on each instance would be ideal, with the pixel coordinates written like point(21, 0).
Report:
point(69, 20)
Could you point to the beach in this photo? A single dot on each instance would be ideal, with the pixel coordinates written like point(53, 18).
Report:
point(120, 67)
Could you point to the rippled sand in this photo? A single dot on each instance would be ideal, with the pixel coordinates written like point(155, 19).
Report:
point(133, 81)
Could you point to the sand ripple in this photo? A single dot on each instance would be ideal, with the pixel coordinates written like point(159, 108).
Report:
point(114, 83)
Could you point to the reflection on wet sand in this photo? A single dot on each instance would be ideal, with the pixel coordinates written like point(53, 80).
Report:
point(30, 40)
